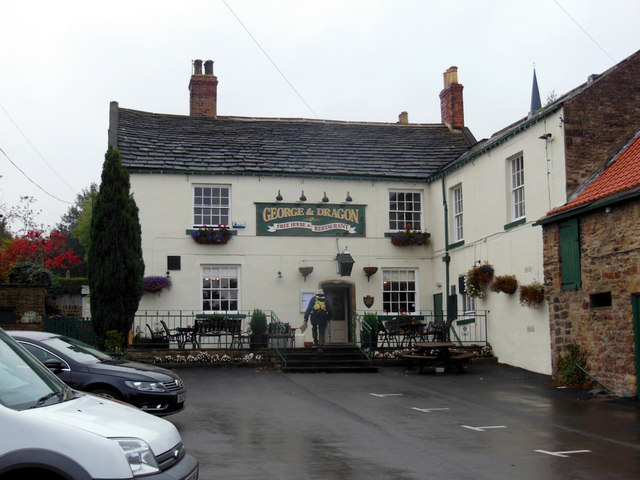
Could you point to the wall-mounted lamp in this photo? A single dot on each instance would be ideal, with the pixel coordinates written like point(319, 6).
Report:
point(368, 271)
point(325, 198)
point(348, 199)
point(546, 136)
point(168, 273)
point(302, 197)
point(345, 263)
point(279, 274)
point(279, 197)
point(305, 271)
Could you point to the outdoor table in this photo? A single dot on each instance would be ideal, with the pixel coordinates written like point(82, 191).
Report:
point(185, 335)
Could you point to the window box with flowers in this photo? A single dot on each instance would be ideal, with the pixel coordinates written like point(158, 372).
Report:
point(155, 284)
point(477, 279)
point(532, 295)
point(504, 283)
point(410, 238)
point(211, 235)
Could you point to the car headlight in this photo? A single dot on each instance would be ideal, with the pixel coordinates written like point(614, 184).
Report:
point(139, 455)
point(146, 386)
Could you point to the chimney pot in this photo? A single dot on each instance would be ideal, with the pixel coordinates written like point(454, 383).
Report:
point(208, 67)
point(450, 76)
point(197, 67)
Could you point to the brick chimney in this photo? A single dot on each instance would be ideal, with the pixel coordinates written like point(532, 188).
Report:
point(203, 90)
point(451, 105)
point(403, 117)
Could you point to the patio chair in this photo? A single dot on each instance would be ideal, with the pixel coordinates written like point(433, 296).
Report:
point(172, 335)
point(238, 338)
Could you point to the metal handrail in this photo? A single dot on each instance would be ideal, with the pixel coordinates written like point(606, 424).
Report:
point(359, 328)
point(281, 331)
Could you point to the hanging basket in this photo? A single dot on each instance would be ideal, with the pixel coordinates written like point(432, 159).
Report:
point(212, 236)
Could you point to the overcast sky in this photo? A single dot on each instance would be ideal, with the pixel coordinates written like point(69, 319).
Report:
point(62, 62)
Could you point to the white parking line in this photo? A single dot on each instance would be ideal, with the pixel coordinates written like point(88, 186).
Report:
point(482, 429)
point(562, 454)
point(429, 410)
point(386, 394)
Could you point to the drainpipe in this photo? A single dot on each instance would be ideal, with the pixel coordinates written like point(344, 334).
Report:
point(446, 259)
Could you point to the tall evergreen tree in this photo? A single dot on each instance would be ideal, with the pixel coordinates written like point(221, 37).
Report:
point(115, 263)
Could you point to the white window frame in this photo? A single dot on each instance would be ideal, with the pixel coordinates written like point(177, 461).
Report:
point(393, 292)
point(406, 212)
point(516, 170)
point(458, 213)
point(468, 303)
point(224, 279)
point(219, 206)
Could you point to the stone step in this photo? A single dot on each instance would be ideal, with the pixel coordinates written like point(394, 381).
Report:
point(328, 358)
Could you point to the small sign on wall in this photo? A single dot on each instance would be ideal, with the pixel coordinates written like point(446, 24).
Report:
point(305, 298)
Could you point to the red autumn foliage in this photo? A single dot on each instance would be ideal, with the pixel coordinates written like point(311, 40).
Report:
point(34, 247)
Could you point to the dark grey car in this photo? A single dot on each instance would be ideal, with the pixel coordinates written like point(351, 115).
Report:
point(153, 389)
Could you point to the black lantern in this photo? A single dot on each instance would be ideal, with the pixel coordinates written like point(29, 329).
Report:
point(345, 263)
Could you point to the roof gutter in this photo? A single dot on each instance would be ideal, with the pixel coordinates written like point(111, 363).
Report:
point(586, 208)
point(272, 174)
point(508, 135)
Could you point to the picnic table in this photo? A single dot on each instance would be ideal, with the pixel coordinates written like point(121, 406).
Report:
point(438, 354)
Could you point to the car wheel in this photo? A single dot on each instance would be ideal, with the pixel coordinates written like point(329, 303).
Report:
point(107, 393)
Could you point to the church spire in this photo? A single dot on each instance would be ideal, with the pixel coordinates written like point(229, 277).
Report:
point(535, 95)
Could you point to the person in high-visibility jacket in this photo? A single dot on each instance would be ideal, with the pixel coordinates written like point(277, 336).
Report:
point(319, 309)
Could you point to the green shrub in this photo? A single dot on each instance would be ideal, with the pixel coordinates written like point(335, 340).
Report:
point(568, 372)
point(258, 322)
point(114, 341)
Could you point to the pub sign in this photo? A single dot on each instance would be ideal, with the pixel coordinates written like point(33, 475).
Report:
point(295, 219)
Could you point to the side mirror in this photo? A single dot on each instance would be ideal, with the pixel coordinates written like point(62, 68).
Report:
point(54, 365)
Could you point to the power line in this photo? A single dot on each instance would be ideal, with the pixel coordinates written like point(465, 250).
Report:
point(269, 58)
point(27, 177)
point(34, 148)
point(585, 32)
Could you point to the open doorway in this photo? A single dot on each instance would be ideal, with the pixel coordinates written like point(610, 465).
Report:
point(340, 297)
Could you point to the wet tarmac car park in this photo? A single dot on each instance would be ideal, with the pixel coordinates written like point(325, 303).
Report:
point(491, 422)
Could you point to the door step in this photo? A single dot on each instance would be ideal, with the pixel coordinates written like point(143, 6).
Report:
point(329, 359)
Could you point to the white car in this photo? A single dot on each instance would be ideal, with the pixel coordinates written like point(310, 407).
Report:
point(52, 431)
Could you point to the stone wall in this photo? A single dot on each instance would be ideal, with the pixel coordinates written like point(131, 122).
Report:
point(24, 299)
point(610, 262)
point(600, 120)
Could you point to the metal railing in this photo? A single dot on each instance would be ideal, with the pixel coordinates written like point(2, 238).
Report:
point(233, 330)
point(364, 336)
point(74, 327)
point(466, 329)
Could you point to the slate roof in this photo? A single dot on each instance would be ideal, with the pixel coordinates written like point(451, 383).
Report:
point(151, 142)
point(619, 178)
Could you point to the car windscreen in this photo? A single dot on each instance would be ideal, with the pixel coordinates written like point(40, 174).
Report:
point(24, 381)
point(77, 350)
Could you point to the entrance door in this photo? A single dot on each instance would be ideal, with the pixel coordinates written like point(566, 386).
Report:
point(339, 296)
point(438, 313)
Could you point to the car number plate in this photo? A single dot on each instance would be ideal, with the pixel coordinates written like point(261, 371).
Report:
point(181, 398)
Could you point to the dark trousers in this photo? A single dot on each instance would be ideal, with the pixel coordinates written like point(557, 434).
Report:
point(318, 329)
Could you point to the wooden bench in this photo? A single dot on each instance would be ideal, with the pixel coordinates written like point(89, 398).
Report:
point(419, 360)
point(459, 359)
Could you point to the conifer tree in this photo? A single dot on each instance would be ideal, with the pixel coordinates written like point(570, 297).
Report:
point(115, 263)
